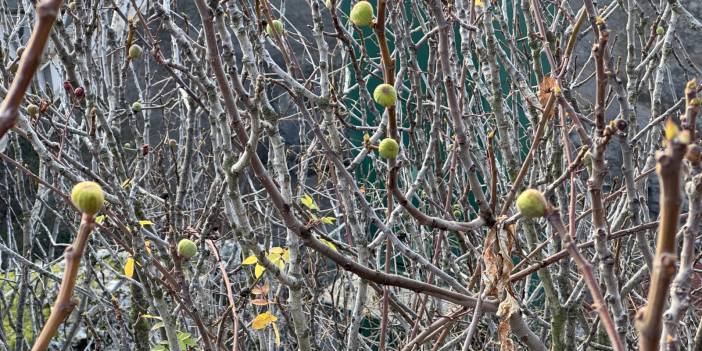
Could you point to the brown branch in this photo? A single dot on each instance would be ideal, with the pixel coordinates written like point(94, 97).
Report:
point(47, 11)
point(540, 128)
point(64, 301)
point(389, 78)
point(648, 320)
point(600, 92)
point(230, 295)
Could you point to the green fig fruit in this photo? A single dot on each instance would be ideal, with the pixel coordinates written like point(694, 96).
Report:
point(186, 249)
point(135, 52)
point(88, 197)
point(389, 148)
point(532, 204)
point(362, 14)
point(136, 106)
point(660, 30)
point(385, 95)
point(276, 25)
point(32, 110)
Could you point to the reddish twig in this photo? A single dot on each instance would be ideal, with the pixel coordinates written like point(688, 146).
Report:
point(47, 11)
point(64, 301)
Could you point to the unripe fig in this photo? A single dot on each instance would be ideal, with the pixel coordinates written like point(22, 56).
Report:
point(532, 204)
point(389, 148)
point(136, 106)
point(457, 214)
point(385, 95)
point(328, 4)
point(88, 197)
point(135, 52)
point(186, 249)
point(660, 30)
point(276, 25)
point(32, 110)
point(127, 145)
point(362, 14)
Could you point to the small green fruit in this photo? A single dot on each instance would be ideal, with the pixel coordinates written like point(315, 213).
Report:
point(186, 249)
point(385, 95)
point(173, 143)
point(88, 197)
point(135, 52)
point(362, 14)
point(532, 204)
point(136, 106)
point(328, 4)
point(32, 110)
point(457, 214)
point(276, 25)
point(127, 145)
point(660, 30)
point(389, 148)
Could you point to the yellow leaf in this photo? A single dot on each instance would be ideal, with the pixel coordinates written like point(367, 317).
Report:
point(147, 245)
point(276, 250)
point(671, 129)
point(328, 220)
point(129, 267)
point(329, 243)
point(277, 259)
point(309, 202)
point(99, 219)
point(144, 222)
point(126, 183)
point(277, 334)
point(258, 271)
point(250, 260)
point(286, 255)
point(479, 3)
point(263, 320)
